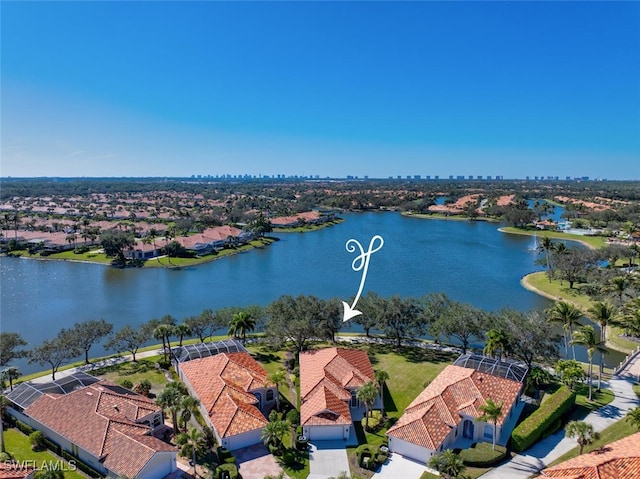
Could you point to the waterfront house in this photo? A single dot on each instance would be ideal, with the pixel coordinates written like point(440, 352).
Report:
point(329, 382)
point(234, 392)
point(109, 428)
point(445, 415)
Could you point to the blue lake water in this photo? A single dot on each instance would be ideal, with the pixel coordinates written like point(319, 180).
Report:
point(469, 261)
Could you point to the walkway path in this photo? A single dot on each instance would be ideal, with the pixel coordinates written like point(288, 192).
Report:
point(546, 451)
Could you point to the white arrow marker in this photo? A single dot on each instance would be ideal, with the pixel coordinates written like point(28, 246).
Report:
point(361, 262)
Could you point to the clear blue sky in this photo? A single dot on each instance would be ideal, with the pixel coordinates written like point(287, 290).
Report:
point(321, 88)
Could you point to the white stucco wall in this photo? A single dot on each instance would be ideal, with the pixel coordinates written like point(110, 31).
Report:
point(161, 464)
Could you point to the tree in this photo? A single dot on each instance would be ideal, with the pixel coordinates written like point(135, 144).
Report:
point(491, 412)
point(460, 321)
point(532, 339)
point(618, 287)
point(277, 378)
point(573, 265)
point(55, 351)
point(546, 246)
point(586, 336)
point(181, 330)
point(241, 323)
point(163, 332)
point(87, 333)
point(114, 243)
point(381, 379)
point(9, 347)
point(569, 371)
point(497, 343)
point(11, 374)
point(128, 339)
point(629, 317)
point(367, 394)
point(293, 319)
point(633, 416)
point(171, 398)
point(400, 318)
point(447, 463)
point(602, 313)
point(192, 442)
point(189, 405)
point(4, 403)
point(583, 431)
point(567, 315)
point(273, 433)
point(371, 306)
point(203, 325)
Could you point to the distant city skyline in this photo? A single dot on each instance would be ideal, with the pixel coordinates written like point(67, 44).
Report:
point(334, 89)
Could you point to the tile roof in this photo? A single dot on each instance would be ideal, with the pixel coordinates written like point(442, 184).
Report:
point(456, 390)
point(101, 419)
point(223, 383)
point(618, 460)
point(326, 378)
point(15, 470)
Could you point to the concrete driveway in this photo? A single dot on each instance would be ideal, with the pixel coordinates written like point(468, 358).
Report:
point(327, 459)
point(255, 462)
point(400, 467)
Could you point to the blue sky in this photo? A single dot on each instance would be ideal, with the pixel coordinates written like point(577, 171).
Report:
point(320, 88)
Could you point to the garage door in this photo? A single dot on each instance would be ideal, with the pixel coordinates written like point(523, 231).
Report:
point(320, 433)
point(245, 439)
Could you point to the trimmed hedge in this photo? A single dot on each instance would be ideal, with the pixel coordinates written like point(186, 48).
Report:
point(231, 469)
point(24, 428)
point(86, 468)
point(483, 455)
point(530, 430)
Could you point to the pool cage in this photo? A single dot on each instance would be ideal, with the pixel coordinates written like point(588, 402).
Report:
point(204, 350)
point(24, 394)
point(503, 368)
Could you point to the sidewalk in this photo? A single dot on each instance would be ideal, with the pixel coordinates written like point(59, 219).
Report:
point(546, 451)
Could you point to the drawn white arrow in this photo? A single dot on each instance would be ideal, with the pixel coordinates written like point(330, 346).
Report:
point(361, 262)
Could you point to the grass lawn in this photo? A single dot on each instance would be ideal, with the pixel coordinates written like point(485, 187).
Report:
point(308, 227)
point(636, 389)
point(614, 432)
point(135, 372)
point(593, 242)
point(20, 448)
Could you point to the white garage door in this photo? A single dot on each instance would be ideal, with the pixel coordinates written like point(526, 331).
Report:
point(245, 439)
point(323, 433)
point(410, 450)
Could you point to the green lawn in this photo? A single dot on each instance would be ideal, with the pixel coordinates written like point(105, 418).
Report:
point(636, 389)
point(20, 448)
point(590, 241)
point(614, 432)
point(90, 256)
point(584, 406)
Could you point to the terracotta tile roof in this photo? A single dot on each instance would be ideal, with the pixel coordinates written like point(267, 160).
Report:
point(101, 419)
point(223, 383)
point(16, 470)
point(618, 460)
point(328, 375)
point(456, 390)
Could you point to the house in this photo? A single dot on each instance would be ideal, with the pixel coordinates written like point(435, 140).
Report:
point(104, 425)
point(235, 395)
point(620, 459)
point(17, 470)
point(329, 381)
point(446, 412)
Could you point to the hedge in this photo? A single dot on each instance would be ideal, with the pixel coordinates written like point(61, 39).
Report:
point(84, 467)
point(530, 430)
point(24, 428)
point(231, 469)
point(482, 454)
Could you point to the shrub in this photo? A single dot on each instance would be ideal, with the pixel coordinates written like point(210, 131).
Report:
point(483, 455)
point(530, 430)
point(557, 424)
point(24, 428)
point(125, 383)
point(143, 388)
point(293, 416)
point(375, 420)
point(87, 469)
point(36, 438)
point(164, 363)
point(231, 471)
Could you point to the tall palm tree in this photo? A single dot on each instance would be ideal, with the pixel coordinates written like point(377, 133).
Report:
point(491, 412)
point(181, 330)
point(633, 417)
point(189, 405)
point(11, 374)
point(567, 315)
point(618, 286)
point(367, 393)
point(381, 378)
point(586, 336)
point(583, 431)
point(497, 343)
point(277, 378)
point(273, 433)
point(192, 442)
point(603, 313)
point(546, 246)
point(447, 463)
point(171, 398)
point(164, 331)
point(241, 323)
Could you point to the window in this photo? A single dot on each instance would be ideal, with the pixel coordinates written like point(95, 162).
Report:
point(269, 394)
point(354, 399)
point(157, 420)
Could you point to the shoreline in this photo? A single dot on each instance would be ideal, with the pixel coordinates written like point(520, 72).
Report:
point(551, 234)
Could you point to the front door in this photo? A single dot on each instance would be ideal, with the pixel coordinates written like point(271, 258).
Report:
point(467, 429)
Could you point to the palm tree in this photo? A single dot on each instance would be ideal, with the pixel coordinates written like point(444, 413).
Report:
point(583, 431)
point(546, 246)
point(497, 343)
point(277, 378)
point(171, 398)
point(491, 412)
point(567, 315)
point(189, 405)
point(164, 331)
point(367, 393)
point(273, 433)
point(381, 378)
point(633, 417)
point(192, 441)
point(182, 330)
point(603, 313)
point(11, 374)
point(618, 287)
point(447, 463)
point(586, 336)
point(241, 323)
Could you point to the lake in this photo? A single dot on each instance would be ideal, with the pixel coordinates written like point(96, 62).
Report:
point(469, 261)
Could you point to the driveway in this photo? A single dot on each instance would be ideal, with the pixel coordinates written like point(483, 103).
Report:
point(327, 459)
point(255, 462)
point(399, 467)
